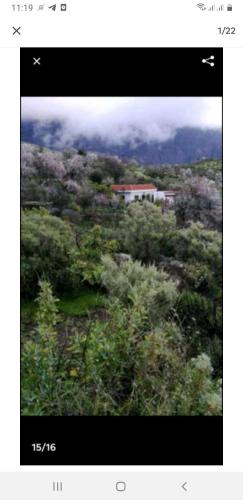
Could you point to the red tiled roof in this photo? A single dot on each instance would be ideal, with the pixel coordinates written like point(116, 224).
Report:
point(132, 187)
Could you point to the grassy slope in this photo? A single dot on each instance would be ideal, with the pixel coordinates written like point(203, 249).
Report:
point(69, 306)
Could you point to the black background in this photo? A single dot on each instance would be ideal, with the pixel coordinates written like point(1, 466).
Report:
point(121, 72)
point(122, 440)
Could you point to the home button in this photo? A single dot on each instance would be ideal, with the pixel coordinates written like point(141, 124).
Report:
point(121, 486)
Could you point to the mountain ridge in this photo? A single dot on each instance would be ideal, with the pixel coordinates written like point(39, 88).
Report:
point(188, 145)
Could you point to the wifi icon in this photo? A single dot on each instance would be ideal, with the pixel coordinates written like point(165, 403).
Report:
point(201, 6)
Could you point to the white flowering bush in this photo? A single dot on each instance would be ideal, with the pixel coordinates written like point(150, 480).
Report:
point(135, 283)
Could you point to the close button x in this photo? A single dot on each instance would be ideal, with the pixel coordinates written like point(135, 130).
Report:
point(16, 31)
point(36, 61)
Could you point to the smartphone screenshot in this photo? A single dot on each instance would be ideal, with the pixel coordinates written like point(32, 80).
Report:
point(117, 310)
point(121, 249)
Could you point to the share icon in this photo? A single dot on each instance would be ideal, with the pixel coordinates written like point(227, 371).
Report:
point(207, 61)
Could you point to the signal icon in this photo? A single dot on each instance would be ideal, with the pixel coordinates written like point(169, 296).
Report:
point(201, 6)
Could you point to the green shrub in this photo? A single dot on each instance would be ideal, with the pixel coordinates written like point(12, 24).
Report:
point(198, 244)
point(116, 367)
point(145, 232)
point(47, 246)
point(87, 265)
point(40, 360)
point(199, 394)
point(135, 283)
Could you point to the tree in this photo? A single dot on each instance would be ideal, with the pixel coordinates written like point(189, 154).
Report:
point(96, 176)
point(200, 201)
point(50, 164)
point(195, 243)
point(111, 167)
point(101, 200)
point(47, 246)
point(72, 186)
point(75, 167)
point(199, 305)
point(27, 160)
point(87, 265)
point(86, 195)
point(145, 232)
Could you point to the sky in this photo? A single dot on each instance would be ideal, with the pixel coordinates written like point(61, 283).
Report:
point(118, 119)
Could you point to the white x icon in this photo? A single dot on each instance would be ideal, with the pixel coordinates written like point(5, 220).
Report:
point(36, 61)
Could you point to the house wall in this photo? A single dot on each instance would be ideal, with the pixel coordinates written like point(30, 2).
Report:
point(138, 194)
point(159, 195)
point(153, 195)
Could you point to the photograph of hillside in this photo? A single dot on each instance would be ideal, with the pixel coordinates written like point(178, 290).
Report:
point(121, 256)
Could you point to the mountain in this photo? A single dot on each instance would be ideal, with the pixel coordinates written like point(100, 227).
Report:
point(189, 145)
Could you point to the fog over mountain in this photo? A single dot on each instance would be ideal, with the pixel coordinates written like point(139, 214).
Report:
point(149, 129)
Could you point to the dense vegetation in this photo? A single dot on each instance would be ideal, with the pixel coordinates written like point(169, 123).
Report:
point(121, 305)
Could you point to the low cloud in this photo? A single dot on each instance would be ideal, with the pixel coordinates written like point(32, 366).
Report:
point(118, 119)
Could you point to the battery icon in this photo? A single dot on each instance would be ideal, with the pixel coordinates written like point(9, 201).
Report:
point(229, 7)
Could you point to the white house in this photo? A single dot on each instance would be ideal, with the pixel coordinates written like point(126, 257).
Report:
point(133, 192)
